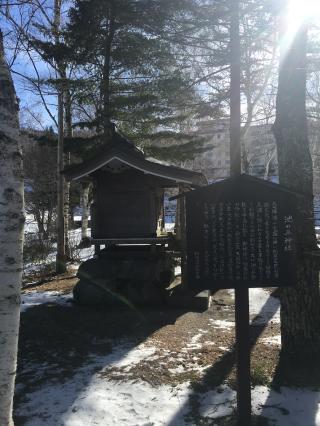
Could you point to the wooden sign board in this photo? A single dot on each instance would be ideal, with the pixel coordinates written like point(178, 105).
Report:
point(241, 233)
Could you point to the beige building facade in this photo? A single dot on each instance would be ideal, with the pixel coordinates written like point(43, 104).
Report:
point(259, 154)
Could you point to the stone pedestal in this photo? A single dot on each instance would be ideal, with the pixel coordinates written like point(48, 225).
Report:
point(124, 276)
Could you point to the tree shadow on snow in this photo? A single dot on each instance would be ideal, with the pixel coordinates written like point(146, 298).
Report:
point(57, 342)
point(220, 370)
point(294, 396)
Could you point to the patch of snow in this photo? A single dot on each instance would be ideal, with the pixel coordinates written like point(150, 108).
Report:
point(81, 254)
point(289, 407)
point(196, 337)
point(264, 306)
point(218, 403)
point(86, 253)
point(78, 218)
point(177, 271)
point(177, 370)
point(222, 324)
point(191, 346)
point(125, 357)
point(34, 298)
point(190, 366)
point(169, 227)
point(30, 225)
point(272, 340)
point(127, 404)
point(194, 341)
point(89, 398)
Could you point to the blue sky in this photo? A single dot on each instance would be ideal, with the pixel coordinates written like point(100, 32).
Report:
point(29, 99)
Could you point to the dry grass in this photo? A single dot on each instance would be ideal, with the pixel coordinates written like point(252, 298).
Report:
point(64, 284)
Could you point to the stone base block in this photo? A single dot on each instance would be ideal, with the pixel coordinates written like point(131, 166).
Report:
point(123, 276)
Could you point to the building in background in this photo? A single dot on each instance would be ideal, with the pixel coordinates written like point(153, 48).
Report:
point(259, 154)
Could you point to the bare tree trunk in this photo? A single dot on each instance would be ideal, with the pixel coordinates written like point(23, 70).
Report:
point(85, 206)
point(105, 84)
point(61, 254)
point(68, 121)
point(300, 313)
point(11, 238)
point(66, 214)
point(61, 265)
point(235, 83)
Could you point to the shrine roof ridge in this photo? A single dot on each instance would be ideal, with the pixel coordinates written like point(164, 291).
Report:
point(126, 152)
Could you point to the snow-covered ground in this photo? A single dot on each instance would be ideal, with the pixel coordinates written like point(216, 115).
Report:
point(79, 255)
point(90, 397)
point(34, 298)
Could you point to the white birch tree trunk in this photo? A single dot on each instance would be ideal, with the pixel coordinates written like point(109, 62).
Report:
point(11, 238)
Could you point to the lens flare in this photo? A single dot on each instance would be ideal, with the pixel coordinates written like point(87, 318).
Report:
point(299, 13)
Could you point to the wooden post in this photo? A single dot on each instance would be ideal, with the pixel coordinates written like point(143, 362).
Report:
point(241, 294)
point(183, 240)
point(97, 249)
point(243, 356)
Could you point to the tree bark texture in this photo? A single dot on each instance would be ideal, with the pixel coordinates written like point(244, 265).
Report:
point(67, 162)
point(61, 253)
point(85, 206)
point(11, 238)
point(105, 84)
point(235, 105)
point(300, 313)
point(61, 265)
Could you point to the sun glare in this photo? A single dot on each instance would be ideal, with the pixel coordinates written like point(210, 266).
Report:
point(299, 12)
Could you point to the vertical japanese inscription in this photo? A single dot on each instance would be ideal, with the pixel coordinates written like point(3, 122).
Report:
point(230, 239)
point(214, 238)
point(206, 255)
point(252, 242)
point(259, 248)
point(240, 241)
point(275, 238)
point(241, 234)
point(288, 233)
point(222, 254)
point(266, 222)
point(245, 241)
point(237, 241)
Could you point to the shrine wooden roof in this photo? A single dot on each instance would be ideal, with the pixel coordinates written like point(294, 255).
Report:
point(120, 150)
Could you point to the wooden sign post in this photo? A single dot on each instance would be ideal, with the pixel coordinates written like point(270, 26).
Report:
point(241, 234)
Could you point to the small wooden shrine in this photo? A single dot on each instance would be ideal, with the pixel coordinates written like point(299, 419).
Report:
point(128, 191)
point(128, 198)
